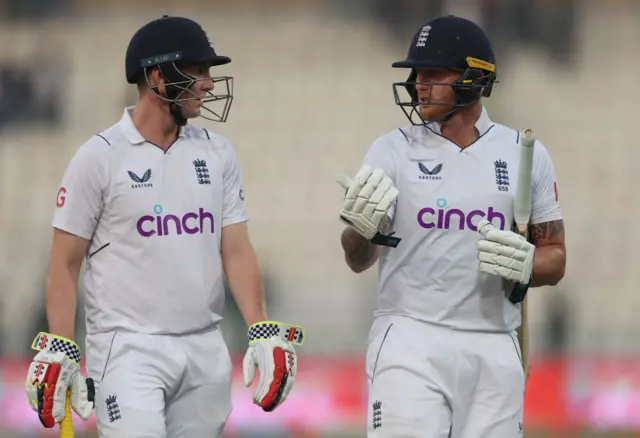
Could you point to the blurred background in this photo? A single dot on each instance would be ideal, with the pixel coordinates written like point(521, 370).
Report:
point(312, 91)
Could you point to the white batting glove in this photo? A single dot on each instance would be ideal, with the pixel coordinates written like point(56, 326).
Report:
point(54, 370)
point(368, 198)
point(271, 352)
point(505, 253)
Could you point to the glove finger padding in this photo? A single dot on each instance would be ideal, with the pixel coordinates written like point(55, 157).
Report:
point(372, 184)
point(373, 203)
point(507, 238)
point(501, 252)
point(50, 375)
point(54, 370)
point(505, 254)
point(501, 271)
point(502, 261)
point(357, 183)
point(292, 364)
point(276, 363)
point(367, 200)
point(83, 396)
point(344, 180)
point(383, 206)
point(271, 351)
point(385, 185)
point(283, 378)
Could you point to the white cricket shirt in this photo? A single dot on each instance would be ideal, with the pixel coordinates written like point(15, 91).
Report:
point(154, 219)
point(433, 275)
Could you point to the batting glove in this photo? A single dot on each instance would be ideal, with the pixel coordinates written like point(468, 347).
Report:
point(505, 253)
point(271, 352)
point(367, 200)
point(54, 370)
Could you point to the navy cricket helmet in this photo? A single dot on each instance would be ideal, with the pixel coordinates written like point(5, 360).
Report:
point(451, 43)
point(170, 44)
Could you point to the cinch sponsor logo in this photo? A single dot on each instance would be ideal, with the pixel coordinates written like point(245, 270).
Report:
point(451, 218)
point(167, 225)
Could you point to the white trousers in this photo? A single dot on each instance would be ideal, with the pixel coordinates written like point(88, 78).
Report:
point(157, 386)
point(427, 381)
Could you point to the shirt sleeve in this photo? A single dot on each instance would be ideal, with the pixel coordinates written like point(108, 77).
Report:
point(381, 154)
point(79, 201)
point(544, 195)
point(233, 209)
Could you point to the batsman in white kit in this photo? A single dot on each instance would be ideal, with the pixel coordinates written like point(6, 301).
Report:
point(154, 207)
point(434, 204)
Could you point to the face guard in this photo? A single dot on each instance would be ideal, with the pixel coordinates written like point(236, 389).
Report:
point(177, 90)
point(474, 82)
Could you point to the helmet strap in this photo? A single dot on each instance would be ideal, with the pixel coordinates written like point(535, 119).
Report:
point(449, 115)
point(171, 93)
point(176, 113)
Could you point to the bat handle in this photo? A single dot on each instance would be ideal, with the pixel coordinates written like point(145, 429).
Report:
point(522, 229)
point(66, 425)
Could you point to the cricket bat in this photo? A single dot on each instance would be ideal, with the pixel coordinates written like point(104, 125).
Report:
point(66, 425)
point(522, 215)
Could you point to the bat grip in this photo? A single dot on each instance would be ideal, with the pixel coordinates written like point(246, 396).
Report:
point(66, 425)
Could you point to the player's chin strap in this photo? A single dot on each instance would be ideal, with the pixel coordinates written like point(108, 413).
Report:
point(174, 109)
point(172, 93)
point(442, 119)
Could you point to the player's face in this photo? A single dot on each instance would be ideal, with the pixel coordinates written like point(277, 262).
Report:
point(435, 100)
point(192, 106)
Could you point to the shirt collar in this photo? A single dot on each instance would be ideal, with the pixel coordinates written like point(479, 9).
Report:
point(129, 129)
point(131, 132)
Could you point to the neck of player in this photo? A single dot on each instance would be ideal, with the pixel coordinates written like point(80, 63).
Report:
point(153, 120)
point(461, 127)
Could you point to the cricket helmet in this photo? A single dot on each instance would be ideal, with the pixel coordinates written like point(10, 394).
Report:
point(170, 44)
point(452, 43)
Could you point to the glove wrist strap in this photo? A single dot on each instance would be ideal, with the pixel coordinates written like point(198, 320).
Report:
point(57, 344)
point(268, 329)
point(519, 291)
point(382, 240)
